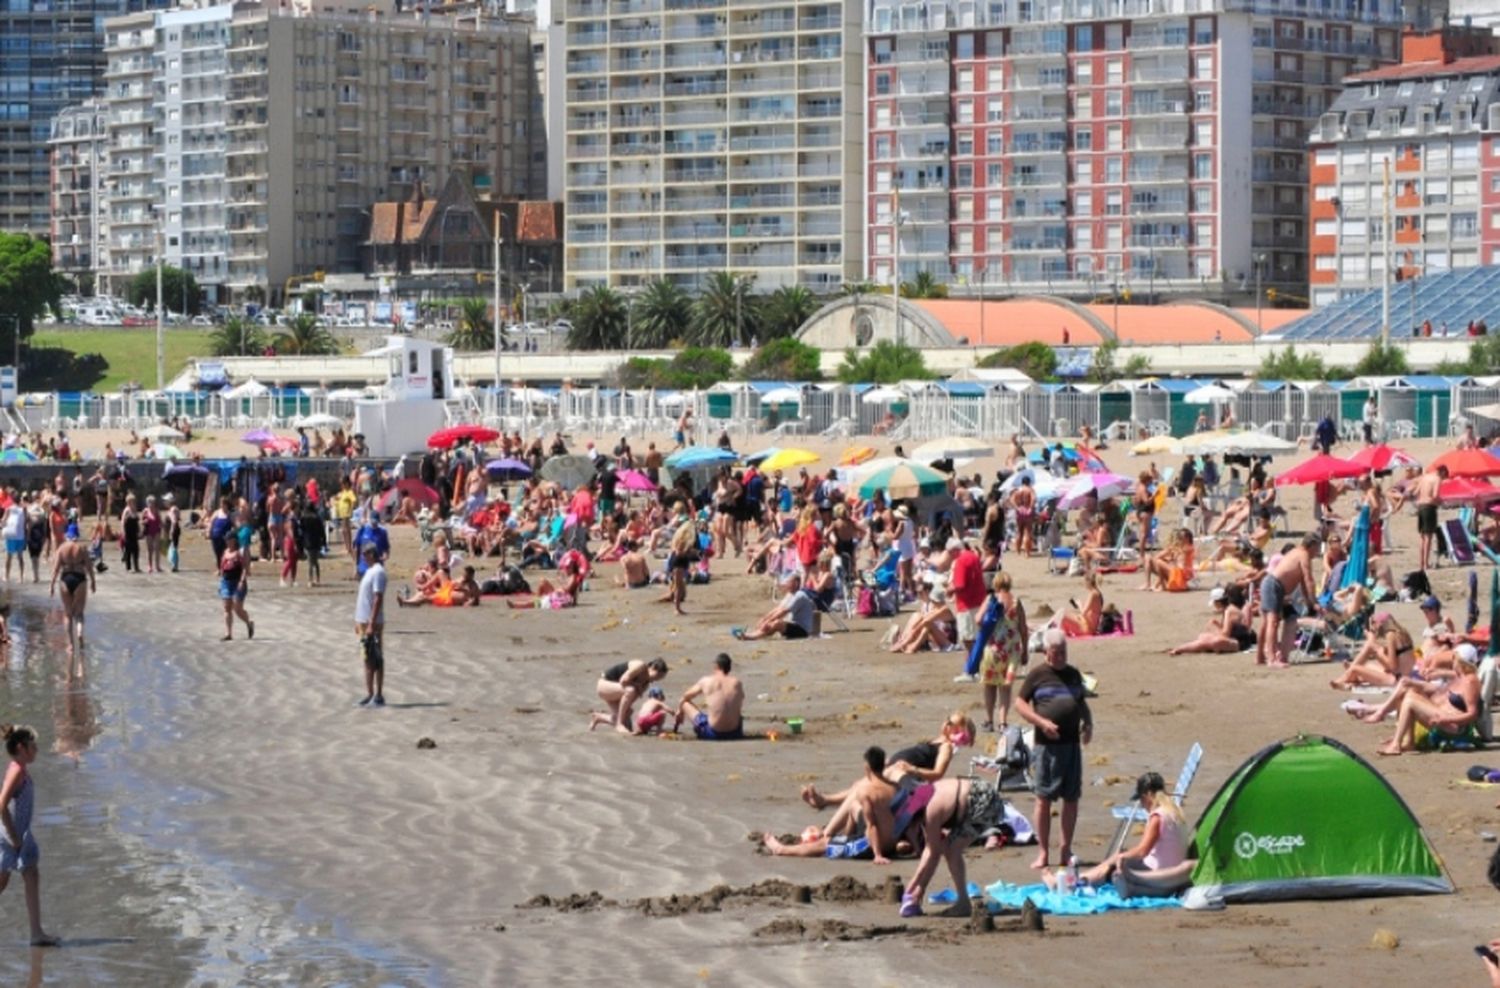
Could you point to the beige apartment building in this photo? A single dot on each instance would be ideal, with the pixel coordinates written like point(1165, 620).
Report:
point(713, 135)
point(77, 148)
point(290, 123)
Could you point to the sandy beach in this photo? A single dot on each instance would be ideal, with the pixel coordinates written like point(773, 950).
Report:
point(223, 813)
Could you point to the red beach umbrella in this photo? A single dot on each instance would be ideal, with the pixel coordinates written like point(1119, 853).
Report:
point(1320, 469)
point(1467, 490)
point(444, 438)
point(1383, 458)
point(1467, 463)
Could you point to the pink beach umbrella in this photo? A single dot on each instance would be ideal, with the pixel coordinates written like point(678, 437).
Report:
point(634, 480)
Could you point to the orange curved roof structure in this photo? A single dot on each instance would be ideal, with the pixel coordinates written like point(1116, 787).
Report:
point(1020, 320)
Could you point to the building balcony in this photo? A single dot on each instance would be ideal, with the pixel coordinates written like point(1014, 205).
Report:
point(1037, 147)
point(1163, 207)
point(761, 201)
point(686, 204)
point(1158, 107)
point(1159, 241)
point(1028, 180)
point(776, 142)
point(1151, 176)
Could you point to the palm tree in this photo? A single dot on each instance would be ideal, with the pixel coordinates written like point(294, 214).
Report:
point(474, 330)
point(659, 316)
point(724, 312)
point(924, 285)
point(786, 310)
point(599, 320)
point(237, 337)
point(859, 288)
point(304, 337)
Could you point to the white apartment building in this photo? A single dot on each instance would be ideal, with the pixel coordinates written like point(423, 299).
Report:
point(257, 138)
point(713, 135)
point(77, 153)
point(1091, 147)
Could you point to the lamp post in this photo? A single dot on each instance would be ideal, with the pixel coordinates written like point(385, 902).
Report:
point(897, 219)
point(499, 242)
point(1260, 262)
point(161, 337)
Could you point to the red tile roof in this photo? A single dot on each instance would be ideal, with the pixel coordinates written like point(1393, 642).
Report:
point(1013, 321)
point(1477, 65)
point(540, 222)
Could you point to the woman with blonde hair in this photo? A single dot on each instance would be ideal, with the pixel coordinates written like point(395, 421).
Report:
point(1158, 864)
point(1084, 621)
point(1172, 567)
point(1006, 654)
point(1386, 657)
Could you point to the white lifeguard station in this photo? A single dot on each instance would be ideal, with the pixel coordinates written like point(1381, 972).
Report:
point(418, 386)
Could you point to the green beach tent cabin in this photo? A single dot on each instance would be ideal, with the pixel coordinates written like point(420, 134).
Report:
point(1307, 818)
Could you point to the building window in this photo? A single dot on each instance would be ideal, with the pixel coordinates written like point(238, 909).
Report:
point(1083, 38)
point(882, 147)
point(1083, 139)
point(1203, 166)
point(882, 84)
point(1083, 106)
point(965, 46)
point(1203, 100)
point(1083, 204)
point(1203, 133)
point(963, 176)
point(1083, 72)
point(1326, 228)
point(993, 174)
point(966, 143)
point(965, 111)
point(1114, 71)
point(1114, 170)
point(1114, 36)
point(882, 115)
point(1114, 138)
point(1203, 31)
point(1114, 103)
point(995, 78)
point(1114, 203)
point(964, 241)
point(1203, 65)
point(966, 79)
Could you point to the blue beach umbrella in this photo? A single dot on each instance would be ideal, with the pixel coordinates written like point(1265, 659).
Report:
point(507, 469)
point(700, 456)
point(17, 454)
point(1359, 550)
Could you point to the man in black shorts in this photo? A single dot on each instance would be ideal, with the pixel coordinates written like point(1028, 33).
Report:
point(1052, 698)
point(1427, 496)
point(792, 618)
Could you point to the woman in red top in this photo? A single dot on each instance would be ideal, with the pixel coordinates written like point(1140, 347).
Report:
point(808, 539)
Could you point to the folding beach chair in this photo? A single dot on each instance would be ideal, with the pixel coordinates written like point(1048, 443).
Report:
point(1457, 543)
point(1489, 684)
point(1130, 815)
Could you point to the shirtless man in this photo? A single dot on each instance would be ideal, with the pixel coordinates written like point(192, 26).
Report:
point(72, 565)
point(867, 802)
point(722, 697)
point(1291, 571)
point(635, 571)
point(1426, 497)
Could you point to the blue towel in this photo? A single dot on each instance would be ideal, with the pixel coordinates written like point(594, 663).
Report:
point(948, 896)
point(1105, 898)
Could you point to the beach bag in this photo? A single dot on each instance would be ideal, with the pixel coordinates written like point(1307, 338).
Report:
point(1109, 623)
point(1014, 758)
point(1416, 585)
point(865, 605)
point(886, 602)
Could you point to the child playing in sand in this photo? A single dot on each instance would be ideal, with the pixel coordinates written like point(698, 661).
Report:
point(18, 850)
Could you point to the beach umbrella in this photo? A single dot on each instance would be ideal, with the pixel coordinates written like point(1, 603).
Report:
point(1076, 490)
point(782, 396)
point(1319, 469)
point(1383, 458)
point(258, 437)
point(507, 469)
point(903, 480)
point(1089, 460)
point(249, 389)
point(453, 434)
point(1485, 411)
point(757, 457)
point(164, 451)
point(882, 394)
point(700, 456)
point(1249, 442)
point(1154, 445)
point(17, 454)
point(317, 420)
point(960, 449)
point(1467, 463)
point(159, 432)
point(347, 394)
point(568, 472)
point(1359, 550)
point(410, 487)
point(786, 459)
point(634, 480)
point(855, 455)
point(1467, 490)
point(1208, 394)
point(282, 445)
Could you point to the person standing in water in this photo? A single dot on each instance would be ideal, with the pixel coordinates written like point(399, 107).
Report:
point(71, 564)
point(234, 585)
point(18, 850)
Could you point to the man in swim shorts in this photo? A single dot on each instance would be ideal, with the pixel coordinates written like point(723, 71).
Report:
point(722, 696)
point(1426, 496)
point(1291, 572)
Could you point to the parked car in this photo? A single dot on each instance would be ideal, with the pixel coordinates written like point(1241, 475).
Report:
point(562, 326)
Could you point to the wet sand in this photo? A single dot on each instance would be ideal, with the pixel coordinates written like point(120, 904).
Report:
point(233, 817)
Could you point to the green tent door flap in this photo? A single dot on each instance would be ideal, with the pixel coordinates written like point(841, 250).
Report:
point(1309, 819)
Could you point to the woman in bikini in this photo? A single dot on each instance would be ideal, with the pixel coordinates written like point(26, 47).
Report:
point(234, 585)
point(1386, 657)
point(72, 567)
point(1227, 630)
point(959, 812)
point(151, 530)
point(1450, 709)
point(18, 850)
point(1084, 621)
point(1172, 568)
point(1144, 502)
point(620, 686)
point(1023, 505)
point(928, 761)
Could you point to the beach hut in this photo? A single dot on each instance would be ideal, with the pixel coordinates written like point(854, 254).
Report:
point(1413, 404)
point(1307, 818)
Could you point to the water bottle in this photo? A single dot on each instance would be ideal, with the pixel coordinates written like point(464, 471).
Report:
point(1072, 873)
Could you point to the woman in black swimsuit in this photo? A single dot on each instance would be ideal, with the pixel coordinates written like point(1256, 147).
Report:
point(1386, 657)
point(130, 543)
point(620, 686)
point(926, 760)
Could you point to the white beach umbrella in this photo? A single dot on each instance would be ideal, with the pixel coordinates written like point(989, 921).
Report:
point(1208, 394)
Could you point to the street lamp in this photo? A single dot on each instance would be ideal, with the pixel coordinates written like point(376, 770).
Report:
point(161, 344)
point(1260, 261)
point(495, 333)
point(898, 219)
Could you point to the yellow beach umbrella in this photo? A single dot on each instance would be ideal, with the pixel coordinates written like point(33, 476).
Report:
point(855, 455)
point(786, 459)
point(1156, 444)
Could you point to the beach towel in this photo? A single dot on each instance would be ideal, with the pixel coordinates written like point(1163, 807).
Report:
point(1003, 895)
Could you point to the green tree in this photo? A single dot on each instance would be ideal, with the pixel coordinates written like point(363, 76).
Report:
point(238, 337)
point(785, 310)
point(1382, 360)
point(1289, 365)
point(784, 360)
point(179, 290)
point(884, 363)
point(1036, 360)
point(599, 320)
point(701, 367)
point(924, 285)
point(28, 286)
point(474, 330)
point(643, 372)
point(1484, 358)
point(659, 316)
point(863, 288)
point(305, 338)
point(1102, 368)
point(725, 312)
point(1136, 365)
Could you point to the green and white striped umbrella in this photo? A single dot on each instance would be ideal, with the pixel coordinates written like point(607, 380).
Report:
point(903, 480)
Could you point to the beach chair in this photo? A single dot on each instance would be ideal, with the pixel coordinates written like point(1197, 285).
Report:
point(1131, 815)
point(1489, 684)
point(1456, 541)
point(780, 566)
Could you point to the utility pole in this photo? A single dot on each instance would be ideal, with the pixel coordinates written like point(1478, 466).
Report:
point(161, 335)
point(498, 243)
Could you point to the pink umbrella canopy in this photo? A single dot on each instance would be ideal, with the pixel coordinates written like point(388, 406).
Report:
point(418, 491)
point(281, 444)
point(1077, 490)
point(1467, 490)
point(1383, 458)
point(634, 480)
point(1320, 469)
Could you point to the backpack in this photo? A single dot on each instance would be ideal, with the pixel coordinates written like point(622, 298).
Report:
point(511, 581)
point(1014, 758)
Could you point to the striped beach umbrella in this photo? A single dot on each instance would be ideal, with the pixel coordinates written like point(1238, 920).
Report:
point(903, 480)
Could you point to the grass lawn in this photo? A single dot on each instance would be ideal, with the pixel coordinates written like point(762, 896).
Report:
point(131, 351)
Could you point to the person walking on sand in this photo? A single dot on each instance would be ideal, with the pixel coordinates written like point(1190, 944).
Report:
point(72, 565)
point(683, 554)
point(369, 623)
point(1052, 698)
point(1291, 572)
point(18, 850)
point(1426, 497)
point(723, 698)
point(234, 586)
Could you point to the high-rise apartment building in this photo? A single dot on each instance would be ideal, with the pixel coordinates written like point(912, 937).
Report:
point(1089, 146)
point(1405, 167)
point(51, 57)
point(77, 147)
point(713, 135)
point(256, 139)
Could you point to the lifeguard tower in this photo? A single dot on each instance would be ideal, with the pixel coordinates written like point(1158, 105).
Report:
point(418, 386)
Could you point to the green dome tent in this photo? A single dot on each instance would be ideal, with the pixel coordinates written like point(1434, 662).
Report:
point(1307, 818)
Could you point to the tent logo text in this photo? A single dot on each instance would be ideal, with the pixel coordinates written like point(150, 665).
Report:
point(1248, 845)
